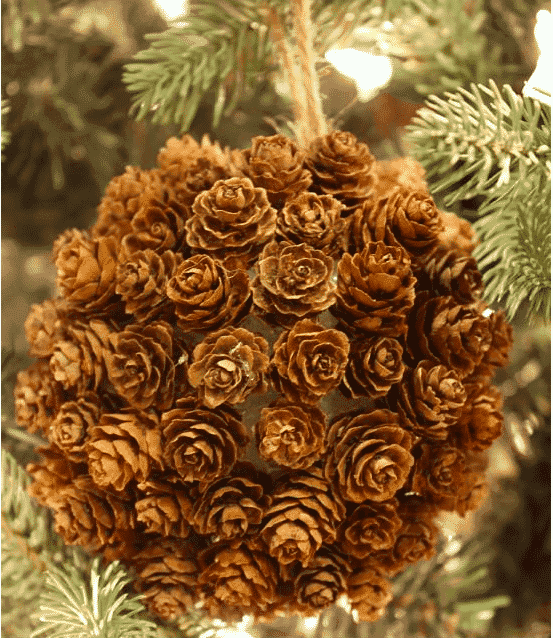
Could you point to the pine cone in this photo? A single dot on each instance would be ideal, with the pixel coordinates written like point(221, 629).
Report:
point(416, 540)
point(304, 514)
point(481, 420)
point(86, 272)
point(309, 361)
point(164, 507)
point(236, 580)
point(201, 444)
point(314, 220)
point(96, 519)
point(497, 356)
point(293, 281)
point(405, 217)
point(228, 366)
point(322, 582)
point(124, 447)
point(454, 272)
point(376, 290)
point(275, 164)
point(342, 166)
point(456, 335)
point(158, 226)
point(403, 172)
point(369, 593)
point(77, 361)
point(51, 475)
point(429, 400)
point(122, 200)
point(374, 366)
point(368, 456)
point(207, 296)
point(291, 434)
point(474, 487)
point(167, 577)
point(189, 168)
point(37, 397)
point(231, 221)
point(438, 474)
point(139, 364)
point(370, 528)
point(234, 505)
point(457, 233)
point(72, 424)
point(141, 281)
point(43, 326)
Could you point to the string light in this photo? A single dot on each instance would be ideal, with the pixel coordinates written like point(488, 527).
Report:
point(369, 72)
point(171, 9)
point(541, 78)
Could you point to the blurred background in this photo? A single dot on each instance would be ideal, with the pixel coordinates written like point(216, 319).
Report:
point(67, 132)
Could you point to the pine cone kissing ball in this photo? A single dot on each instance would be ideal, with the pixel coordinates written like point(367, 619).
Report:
point(263, 376)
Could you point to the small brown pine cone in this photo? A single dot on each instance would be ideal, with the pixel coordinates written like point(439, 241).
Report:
point(189, 167)
point(236, 579)
point(374, 365)
point(234, 505)
point(202, 444)
point(369, 593)
point(206, 295)
point(376, 290)
point(86, 272)
point(481, 420)
point(343, 167)
point(453, 272)
point(402, 172)
point(405, 217)
point(304, 514)
point(315, 220)
point(123, 447)
point(139, 364)
point(291, 434)
point(123, 198)
point(77, 361)
point(231, 221)
point(141, 282)
point(443, 330)
point(497, 356)
point(164, 507)
point(38, 397)
point(473, 488)
point(158, 226)
point(429, 400)
point(370, 528)
point(228, 365)
point(91, 517)
point(309, 361)
point(293, 281)
point(52, 474)
point(457, 233)
point(322, 582)
point(369, 456)
point(44, 326)
point(167, 577)
point(415, 541)
point(275, 164)
point(438, 474)
point(72, 424)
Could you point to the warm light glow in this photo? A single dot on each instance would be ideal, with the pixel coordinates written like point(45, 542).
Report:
point(171, 9)
point(310, 623)
point(369, 72)
point(541, 78)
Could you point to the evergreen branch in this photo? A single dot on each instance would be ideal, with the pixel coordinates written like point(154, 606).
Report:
point(69, 606)
point(474, 145)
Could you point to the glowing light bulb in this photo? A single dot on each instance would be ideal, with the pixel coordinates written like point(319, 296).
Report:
point(541, 78)
point(171, 9)
point(369, 72)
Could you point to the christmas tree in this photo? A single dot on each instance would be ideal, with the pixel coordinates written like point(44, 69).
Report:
point(303, 198)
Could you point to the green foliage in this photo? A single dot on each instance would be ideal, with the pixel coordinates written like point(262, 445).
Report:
point(496, 145)
point(18, 16)
point(70, 607)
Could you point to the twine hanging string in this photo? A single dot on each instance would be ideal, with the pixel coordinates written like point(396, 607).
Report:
point(309, 121)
